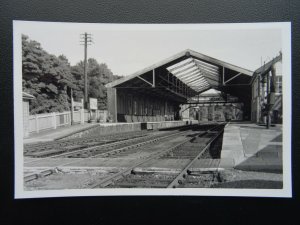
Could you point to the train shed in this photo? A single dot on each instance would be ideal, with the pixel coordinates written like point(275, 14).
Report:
point(156, 92)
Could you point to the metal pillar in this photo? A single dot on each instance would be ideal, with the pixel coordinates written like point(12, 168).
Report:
point(153, 78)
point(271, 93)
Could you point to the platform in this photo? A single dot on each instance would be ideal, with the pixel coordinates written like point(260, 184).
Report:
point(251, 147)
point(51, 135)
point(77, 131)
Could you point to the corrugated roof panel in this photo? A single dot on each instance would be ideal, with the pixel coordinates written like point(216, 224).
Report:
point(196, 83)
point(180, 64)
point(189, 73)
point(185, 69)
point(196, 69)
point(199, 74)
point(206, 70)
point(207, 65)
point(190, 76)
point(195, 73)
point(195, 79)
point(202, 88)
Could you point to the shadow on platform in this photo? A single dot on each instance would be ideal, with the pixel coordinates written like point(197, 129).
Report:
point(268, 159)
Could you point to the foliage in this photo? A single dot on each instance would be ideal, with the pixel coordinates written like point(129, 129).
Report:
point(98, 75)
point(50, 79)
point(45, 76)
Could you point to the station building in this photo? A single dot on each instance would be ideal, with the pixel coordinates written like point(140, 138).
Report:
point(264, 79)
point(158, 92)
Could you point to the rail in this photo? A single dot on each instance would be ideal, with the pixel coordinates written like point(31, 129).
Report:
point(115, 177)
point(151, 139)
point(180, 177)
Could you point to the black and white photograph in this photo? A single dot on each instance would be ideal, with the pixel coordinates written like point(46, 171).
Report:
point(152, 109)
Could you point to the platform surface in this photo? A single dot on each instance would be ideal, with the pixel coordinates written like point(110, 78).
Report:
point(51, 135)
point(252, 147)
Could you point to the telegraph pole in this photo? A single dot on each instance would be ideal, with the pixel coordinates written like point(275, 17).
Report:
point(72, 108)
point(85, 39)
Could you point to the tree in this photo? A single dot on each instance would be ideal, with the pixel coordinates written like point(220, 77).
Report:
point(45, 76)
point(50, 78)
point(98, 75)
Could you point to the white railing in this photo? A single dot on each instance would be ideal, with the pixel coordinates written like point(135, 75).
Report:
point(47, 121)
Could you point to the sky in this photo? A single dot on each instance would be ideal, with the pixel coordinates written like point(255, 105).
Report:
point(129, 48)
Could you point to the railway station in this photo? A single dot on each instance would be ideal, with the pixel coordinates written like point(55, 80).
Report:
point(157, 93)
point(187, 121)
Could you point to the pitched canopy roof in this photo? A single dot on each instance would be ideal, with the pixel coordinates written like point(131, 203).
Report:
point(267, 67)
point(195, 64)
point(189, 72)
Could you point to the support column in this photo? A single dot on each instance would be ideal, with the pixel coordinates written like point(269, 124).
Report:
point(112, 103)
point(223, 75)
point(72, 109)
point(204, 113)
point(82, 112)
point(153, 78)
point(262, 99)
point(212, 112)
point(268, 101)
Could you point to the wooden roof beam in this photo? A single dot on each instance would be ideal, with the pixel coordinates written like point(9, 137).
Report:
point(145, 80)
point(230, 79)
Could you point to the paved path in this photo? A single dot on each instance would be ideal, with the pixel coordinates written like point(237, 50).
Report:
point(251, 147)
point(54, 134)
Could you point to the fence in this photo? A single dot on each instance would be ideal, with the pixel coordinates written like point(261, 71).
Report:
point(47, 121)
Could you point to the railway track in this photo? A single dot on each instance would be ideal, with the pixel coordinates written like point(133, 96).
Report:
point(45, 149)
point(105, 150)
point(59, 147)
point(191, 149)
point(101, 149)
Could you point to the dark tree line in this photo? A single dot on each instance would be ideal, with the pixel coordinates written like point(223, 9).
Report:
point(50, 78)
